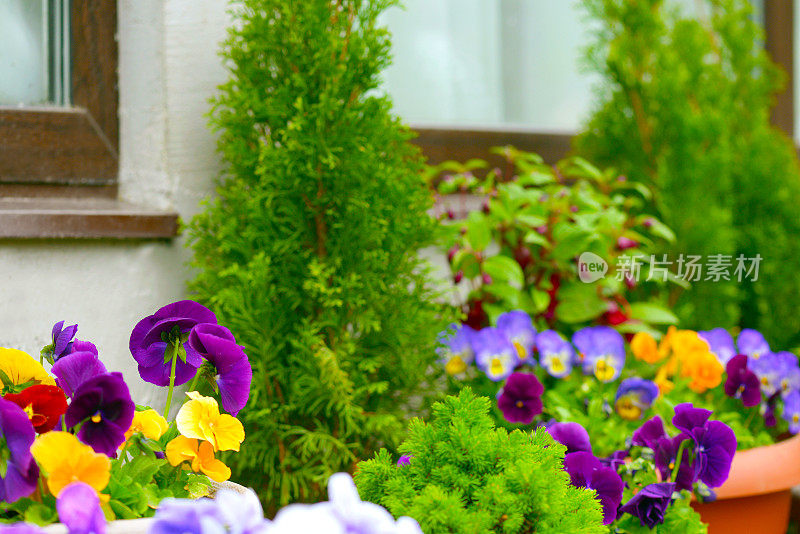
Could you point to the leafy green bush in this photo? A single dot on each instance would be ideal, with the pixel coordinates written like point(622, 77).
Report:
point(684, 108)
point(465, 476)
point(521, 252)
point(309, 251)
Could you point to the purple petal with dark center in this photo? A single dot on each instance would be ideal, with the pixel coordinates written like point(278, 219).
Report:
point(107, 396)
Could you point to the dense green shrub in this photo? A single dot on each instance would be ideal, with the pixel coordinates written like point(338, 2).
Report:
point(465, 476)
point(684, 107)
point(309, 250)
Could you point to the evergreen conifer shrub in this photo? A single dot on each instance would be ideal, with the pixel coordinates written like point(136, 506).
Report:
point(309, 250)
point(684, 107)
point(465, 476)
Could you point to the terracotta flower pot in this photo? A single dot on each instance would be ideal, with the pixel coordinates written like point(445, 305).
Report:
point(757, 495)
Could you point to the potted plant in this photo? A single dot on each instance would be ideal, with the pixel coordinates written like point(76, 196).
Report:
point(76, 448)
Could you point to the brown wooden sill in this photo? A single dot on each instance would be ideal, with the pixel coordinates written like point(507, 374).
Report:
point(76, 218)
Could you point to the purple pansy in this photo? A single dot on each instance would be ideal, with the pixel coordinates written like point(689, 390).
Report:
point(665, 450)
point(103, 407)
point(742, 382)
point(520, 400)
point(494, 354)
point(456, 351)
point(77, 367)
point(791, 411)
point(650, 503)
point(721, 343)
point(229, 364)
point(555, 353)
point(518, 328)
point(586, 471)
point(20, 473)
point(187, 516)
point(156, 338)
point(634, 396)
point(601, 351)
point(777, 372)
point(21, 528)
point(79, 509)
point(571, 435)
point(751, 343)
point(62, 339)
point(714, 443)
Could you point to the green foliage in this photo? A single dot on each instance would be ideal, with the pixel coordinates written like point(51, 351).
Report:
point(309, 250)
point(465, 476)
point(532, 230)
point(684, 108)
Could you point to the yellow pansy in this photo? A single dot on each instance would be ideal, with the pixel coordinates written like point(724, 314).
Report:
point(21, 368)
point(703, 369)
point(200, 419)
point(200, 455)
point(64, 460)
point(149, 423)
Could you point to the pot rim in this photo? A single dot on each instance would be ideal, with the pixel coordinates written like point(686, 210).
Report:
point(761, 470)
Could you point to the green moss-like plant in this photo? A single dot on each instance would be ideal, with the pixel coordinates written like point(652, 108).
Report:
point(466, 476)
point(309, 250)
point(684, 107)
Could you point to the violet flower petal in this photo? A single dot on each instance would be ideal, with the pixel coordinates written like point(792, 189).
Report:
point(79, 509)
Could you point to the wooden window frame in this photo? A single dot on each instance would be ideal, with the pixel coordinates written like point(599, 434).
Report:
point(59, 165)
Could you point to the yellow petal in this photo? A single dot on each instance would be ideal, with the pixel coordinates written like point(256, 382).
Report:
point(149, 422)
point(181, 449)
point(64, 459)
point(195, 416)
point(20, 368)
point(210, 466)
point(228, 433)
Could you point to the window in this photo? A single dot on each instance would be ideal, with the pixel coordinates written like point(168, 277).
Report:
point(59, 149)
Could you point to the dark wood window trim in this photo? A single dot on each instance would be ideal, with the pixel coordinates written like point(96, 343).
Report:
point(59, 166)
point(779, 42)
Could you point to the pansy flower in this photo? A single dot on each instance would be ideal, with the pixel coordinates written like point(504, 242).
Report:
point(665, 450)
point(18, 471)
point(199, 418)
point(42, 404)
point(777, 372)
point(752, 344)
point(703, 369)
point(226, 363)
point(103, 408)
point(571, 435)
point(601, 351)
point(720, 342)
point(714, 443)
point(650, 503)
point(520, 400)
point(586, 471)
point(19, 370)
point(518, 328)
point(791, 411)
point(77, 367)
point(200, 455)
point(742, 382)
point(455, 352)
point(62, 339)
point(494, 354)
point(64, 460)
point(634, 397)
point(644, 348)
point(149, 423)
point(156, 338)
point(555, 353)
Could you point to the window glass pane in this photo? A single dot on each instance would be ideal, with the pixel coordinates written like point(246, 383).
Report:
point(34, 60)
point(484, 62)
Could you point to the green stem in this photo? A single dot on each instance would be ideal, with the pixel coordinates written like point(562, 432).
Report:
point(677, 466)
point(171, 379)
point(193, 385)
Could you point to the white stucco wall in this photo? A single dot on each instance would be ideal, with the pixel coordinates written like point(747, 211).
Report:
point(168, 68)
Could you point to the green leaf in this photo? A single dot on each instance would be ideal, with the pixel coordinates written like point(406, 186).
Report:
point(535, 238)
point(541, 300)
point(533, 221)
point(579, 302)
point(504, 268)
point(478, 231)
point(652, 313)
